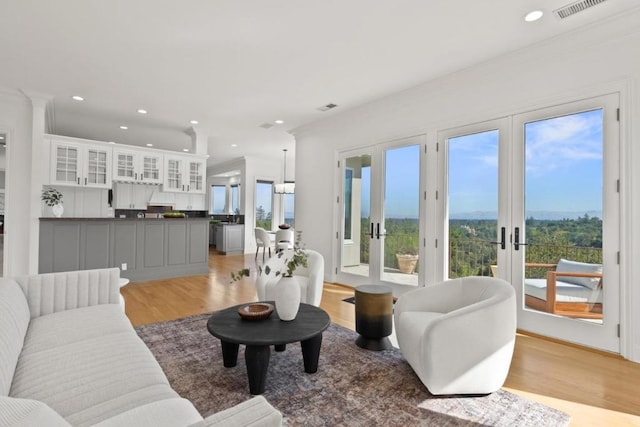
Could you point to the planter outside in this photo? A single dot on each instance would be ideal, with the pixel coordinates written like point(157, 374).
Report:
point(407, 263)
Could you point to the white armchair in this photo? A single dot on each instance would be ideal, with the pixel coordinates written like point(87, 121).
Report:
point(311, 278)
point(458, 335)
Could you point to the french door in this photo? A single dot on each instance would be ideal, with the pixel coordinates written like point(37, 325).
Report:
point(380, 205)
point(533, 199)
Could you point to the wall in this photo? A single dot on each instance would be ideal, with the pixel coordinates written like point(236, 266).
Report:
point(595, 60)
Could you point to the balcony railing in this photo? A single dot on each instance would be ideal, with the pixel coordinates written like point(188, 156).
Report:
point(474, 257)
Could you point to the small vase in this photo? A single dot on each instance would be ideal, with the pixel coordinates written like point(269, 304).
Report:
point(57, 210)
point(287, 298)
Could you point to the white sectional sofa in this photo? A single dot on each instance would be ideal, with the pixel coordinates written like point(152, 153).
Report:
point(69, 356)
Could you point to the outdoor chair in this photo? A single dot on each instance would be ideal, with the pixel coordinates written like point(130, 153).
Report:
point(570, 288)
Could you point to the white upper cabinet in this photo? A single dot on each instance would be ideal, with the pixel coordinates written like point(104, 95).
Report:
point(141, 166)
point(80, 164)
point(184, 173)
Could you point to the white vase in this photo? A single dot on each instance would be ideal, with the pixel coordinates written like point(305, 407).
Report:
point(287, 298)
point(57, 210)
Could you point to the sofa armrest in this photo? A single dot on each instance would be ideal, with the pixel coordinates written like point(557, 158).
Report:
point(53, 292)
point(255, 412)
point(27, 413)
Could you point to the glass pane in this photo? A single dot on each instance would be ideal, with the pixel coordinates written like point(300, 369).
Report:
point(473, 204)
point(217, 199)
point(264, 193)
point(401, 214)
point(356, 216)
point(235, 199)
point(563, 208)
point(289, 204)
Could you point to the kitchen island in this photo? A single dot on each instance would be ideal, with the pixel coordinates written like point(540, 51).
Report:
point(143, 248)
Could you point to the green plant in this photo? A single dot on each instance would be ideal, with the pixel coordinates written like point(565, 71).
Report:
point(292, 260)
point(52, 197)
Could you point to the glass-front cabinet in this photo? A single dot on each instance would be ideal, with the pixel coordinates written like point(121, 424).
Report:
point(80, 164)
point(184, 174)
point(137, 166)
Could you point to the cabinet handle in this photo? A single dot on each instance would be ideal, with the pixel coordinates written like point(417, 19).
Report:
point(188, 188)
point(136, 176)
point(78, 180)
point(182, 187)
point(85, 181)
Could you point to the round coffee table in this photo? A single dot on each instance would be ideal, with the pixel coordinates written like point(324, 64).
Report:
point(259, 335)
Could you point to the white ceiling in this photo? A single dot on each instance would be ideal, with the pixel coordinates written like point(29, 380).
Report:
point(236, 64)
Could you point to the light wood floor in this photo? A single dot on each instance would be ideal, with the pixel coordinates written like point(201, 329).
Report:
point(595, 388)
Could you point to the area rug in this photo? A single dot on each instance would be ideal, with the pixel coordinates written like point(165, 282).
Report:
point(353, 386)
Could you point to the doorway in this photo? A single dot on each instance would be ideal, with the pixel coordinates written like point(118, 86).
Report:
point(534, 199)
point(380, 207)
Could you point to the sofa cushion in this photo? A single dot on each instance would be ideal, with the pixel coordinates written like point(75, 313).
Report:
point(565, 266)
point(565, 292)
point(96, 369)
point(14, 321)
point(163, 413)
point(28, 413)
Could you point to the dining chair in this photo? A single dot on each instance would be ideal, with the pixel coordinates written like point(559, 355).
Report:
point(262, 241)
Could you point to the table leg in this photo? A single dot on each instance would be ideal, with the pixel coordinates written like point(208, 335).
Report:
point(311, 353)
point(229, 354)
point(257, 359)
point(280, 347)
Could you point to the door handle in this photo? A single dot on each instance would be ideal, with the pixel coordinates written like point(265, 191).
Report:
point(378, 234)
point(516, 239)
point(502, 242)
point(371, 231)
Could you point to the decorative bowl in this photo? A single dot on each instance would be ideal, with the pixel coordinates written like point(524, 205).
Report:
point(256, 311)
point(173, 214)
point(284, 226)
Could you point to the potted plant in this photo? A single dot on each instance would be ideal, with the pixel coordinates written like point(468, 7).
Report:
point(287, 290)
point(53, 198)
point(294, 259)
point(407, 258)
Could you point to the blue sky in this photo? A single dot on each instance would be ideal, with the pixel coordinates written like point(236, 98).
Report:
point(563, 170)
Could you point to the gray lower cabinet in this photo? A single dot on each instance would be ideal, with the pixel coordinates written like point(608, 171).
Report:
point(230, 238)
point(144, 249)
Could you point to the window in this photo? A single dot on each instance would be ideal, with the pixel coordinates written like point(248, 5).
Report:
point(288, 207)
point(348, 190)
point(217, 199)
point(264, 202)
point(235, 198)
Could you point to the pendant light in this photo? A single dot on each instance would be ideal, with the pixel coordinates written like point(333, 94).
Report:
point(287, 187)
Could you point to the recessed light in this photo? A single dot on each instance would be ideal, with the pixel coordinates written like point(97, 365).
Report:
point(279, 122)
point(234, 145)
point(533, 15)
point(1, 138)
point(77, 98)
point(149, 145)
point(194, 122)
point(141, 111)
point(185, 149)
point(111, 142)
point(124, 127)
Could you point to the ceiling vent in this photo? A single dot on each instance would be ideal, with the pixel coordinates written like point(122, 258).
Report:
point(575, 7)
point(266, 125)
point(327, 107)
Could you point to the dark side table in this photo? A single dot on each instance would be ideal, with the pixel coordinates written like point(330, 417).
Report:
point(374, 316)
point(259, 335)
